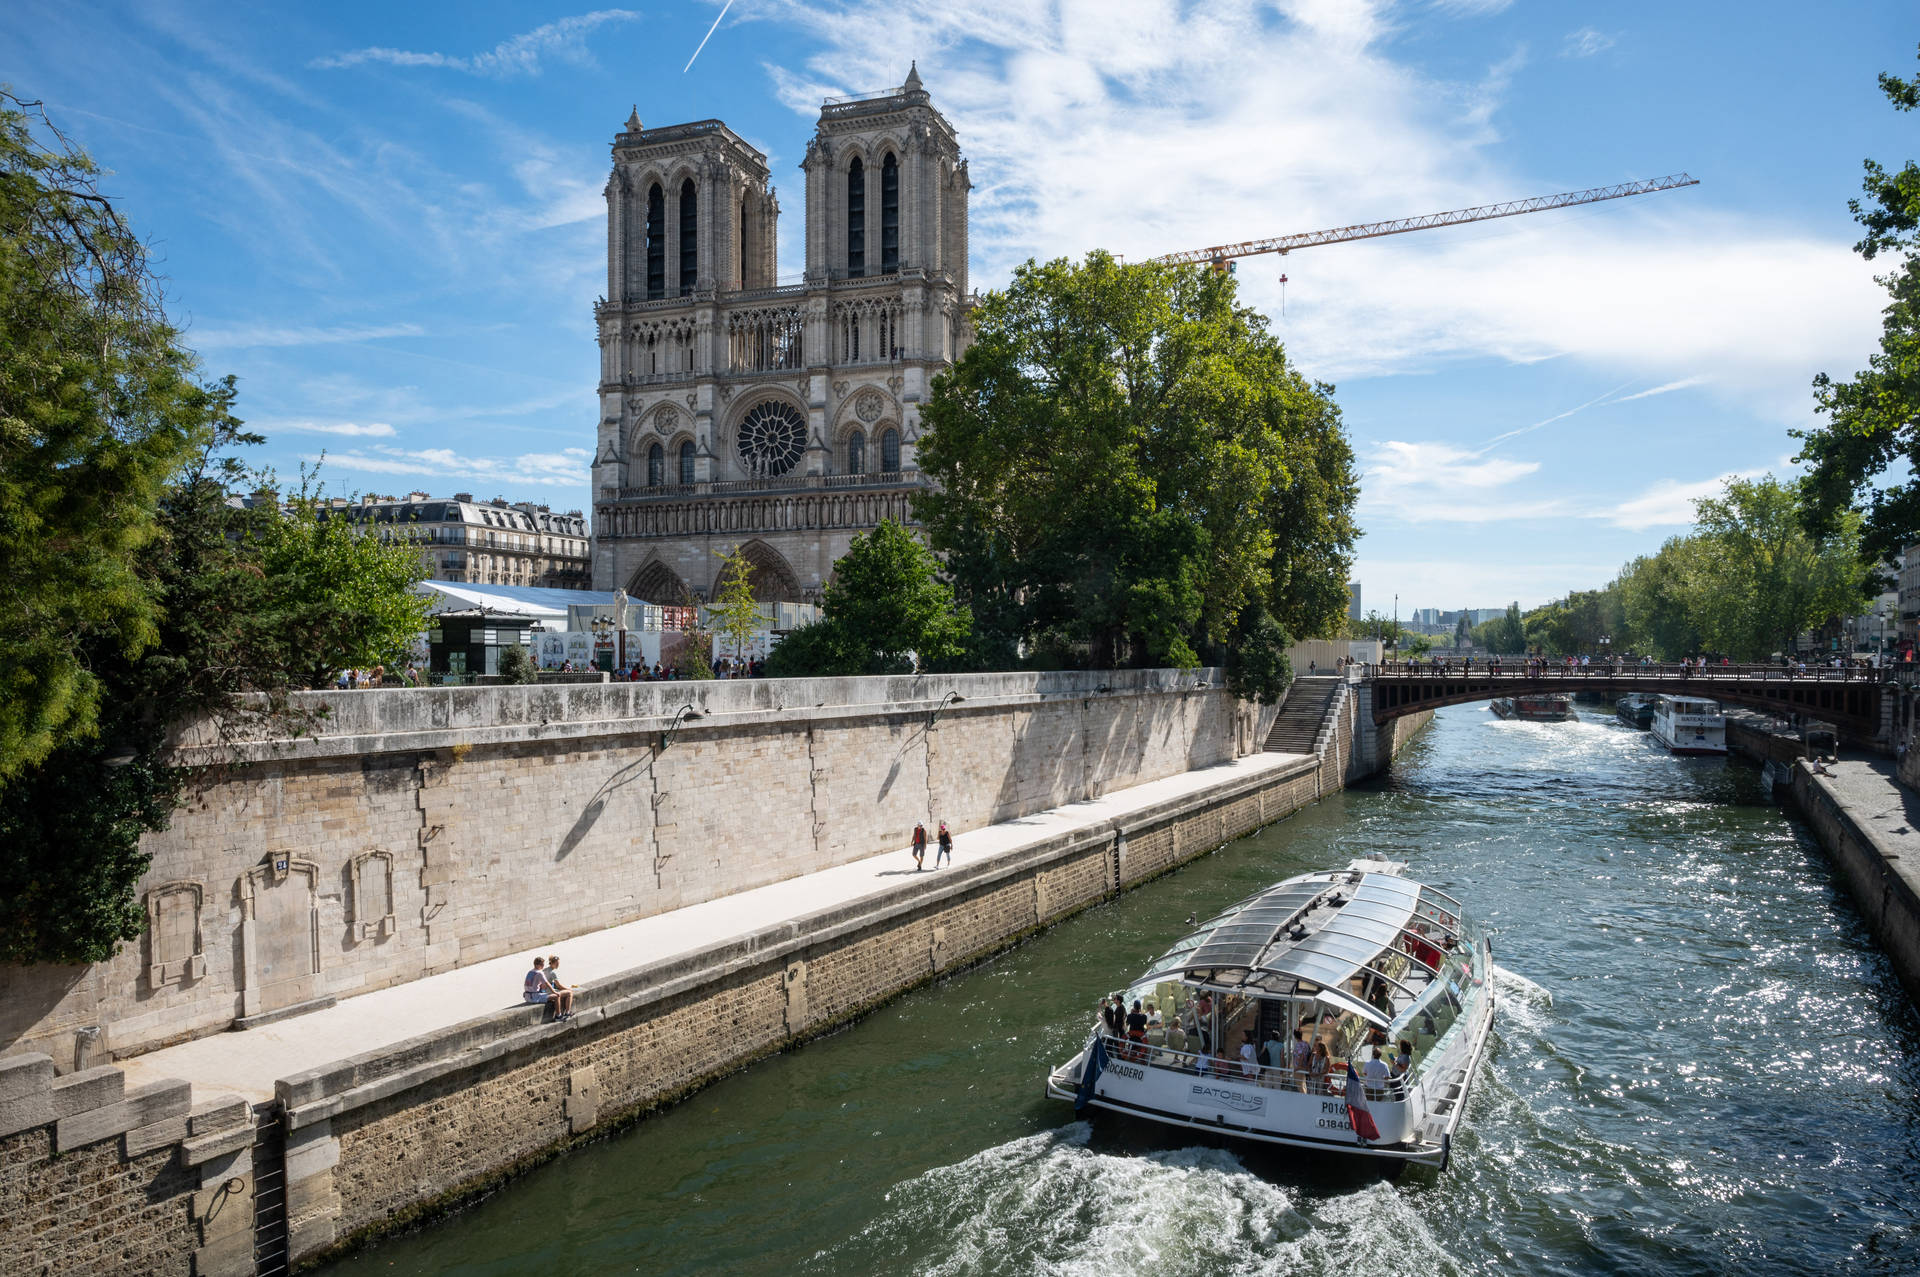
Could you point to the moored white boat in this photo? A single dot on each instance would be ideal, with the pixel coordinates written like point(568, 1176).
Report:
point(1689, 725)
point(1349, 960)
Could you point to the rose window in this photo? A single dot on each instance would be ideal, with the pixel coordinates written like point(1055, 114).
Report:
point(772, 437)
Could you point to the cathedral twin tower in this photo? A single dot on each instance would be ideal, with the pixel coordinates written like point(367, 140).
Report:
point(737, 412)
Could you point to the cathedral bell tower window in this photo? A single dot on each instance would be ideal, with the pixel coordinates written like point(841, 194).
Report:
point(889, 215)
point(856, 220)
point(689, 237)
point(857, 452)
point(656, 466)
point(656, 244)
point(686, 462)
point(890, 452)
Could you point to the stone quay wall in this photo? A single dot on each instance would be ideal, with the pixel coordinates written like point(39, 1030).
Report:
point(1882, 884)
point(99, 1179)
point(405, 832)
point(378, 1141)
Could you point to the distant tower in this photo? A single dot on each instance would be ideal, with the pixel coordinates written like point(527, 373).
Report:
point(736, 412)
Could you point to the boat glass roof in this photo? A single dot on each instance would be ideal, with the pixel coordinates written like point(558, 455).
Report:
point(1259, 939)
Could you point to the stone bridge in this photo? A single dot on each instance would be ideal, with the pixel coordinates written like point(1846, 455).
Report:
point(1855, 701)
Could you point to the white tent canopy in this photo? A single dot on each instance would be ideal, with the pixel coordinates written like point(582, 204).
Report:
point(509, 602)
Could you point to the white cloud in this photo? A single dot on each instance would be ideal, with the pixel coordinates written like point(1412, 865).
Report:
point(1586, 42)
point(267, 335)
point(347, 429)
point(1151, 128)
point(1668, 502)
point(1441, 483)
point(1669, 388)
point(567, 466)
point(562, 41)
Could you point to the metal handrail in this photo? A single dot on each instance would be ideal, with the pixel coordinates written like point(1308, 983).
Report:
point(1225, 1069)
point(1664, 672)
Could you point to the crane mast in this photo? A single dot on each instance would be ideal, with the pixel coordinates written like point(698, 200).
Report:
point(1219, 255)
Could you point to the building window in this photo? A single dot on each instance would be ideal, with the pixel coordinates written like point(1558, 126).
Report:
point(857, 219)
point(656, 243)
point(689, 237)
point(889, 215)
point(857, 452)
point(686, 462)
point(743, 243)
point(656, 466)
point(890, 451)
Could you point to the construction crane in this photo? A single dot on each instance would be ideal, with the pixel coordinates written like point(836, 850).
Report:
point(1221, 255)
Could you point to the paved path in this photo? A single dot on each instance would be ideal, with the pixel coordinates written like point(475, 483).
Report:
point(248, 1063)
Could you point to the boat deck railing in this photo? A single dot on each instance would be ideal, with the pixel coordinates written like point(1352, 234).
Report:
point(1221, 1068)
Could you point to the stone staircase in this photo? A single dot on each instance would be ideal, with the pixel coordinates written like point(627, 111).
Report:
point(1304, 713)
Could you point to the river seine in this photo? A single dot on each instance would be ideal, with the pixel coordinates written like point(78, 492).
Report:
point(1701, 1065)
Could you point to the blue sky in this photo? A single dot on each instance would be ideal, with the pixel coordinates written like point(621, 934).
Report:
point(387, 219)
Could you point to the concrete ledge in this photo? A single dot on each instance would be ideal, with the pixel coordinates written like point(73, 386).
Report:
point(390, 720)
point(144, 1107)
point(88, 1089)
point(244, 1022)
point(26, 1093)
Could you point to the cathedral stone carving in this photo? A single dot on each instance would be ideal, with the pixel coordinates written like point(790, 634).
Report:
point(803, 398)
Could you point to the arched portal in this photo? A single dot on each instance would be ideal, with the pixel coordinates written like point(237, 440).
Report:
point(655, 582)
point(771, 576)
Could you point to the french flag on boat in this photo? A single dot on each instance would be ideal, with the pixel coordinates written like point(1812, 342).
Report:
point(1357, 1109)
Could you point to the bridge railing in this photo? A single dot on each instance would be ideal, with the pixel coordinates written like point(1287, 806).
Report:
point(1523, 671)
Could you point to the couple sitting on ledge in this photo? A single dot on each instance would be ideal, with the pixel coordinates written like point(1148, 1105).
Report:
point(542, 987)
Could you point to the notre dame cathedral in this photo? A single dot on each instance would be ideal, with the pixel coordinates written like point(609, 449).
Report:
point(739, 412)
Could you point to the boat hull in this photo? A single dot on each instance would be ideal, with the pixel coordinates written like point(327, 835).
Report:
point(1412, 1130)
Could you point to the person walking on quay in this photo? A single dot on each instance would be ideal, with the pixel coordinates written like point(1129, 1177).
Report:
point(946, 847)
point(919, 847)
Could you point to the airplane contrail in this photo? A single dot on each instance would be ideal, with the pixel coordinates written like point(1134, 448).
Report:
point(708, 36)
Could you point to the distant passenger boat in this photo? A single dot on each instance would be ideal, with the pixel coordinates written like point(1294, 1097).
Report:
point(1634, 709)
point(1359, 965)
point(1537, 708)
point(1689, 725)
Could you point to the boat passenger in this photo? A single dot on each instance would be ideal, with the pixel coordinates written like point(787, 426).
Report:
point(1249, 1056)
point(1203, 1020)
point(1376, 1076)
point(1302, 1057)
point(1113, 1012)
point(1153, 1017)
point(1274, 1053)
point(1137, 1023)
point(1319, 1067)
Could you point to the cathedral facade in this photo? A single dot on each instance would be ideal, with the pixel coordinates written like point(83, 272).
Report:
point(737, 412)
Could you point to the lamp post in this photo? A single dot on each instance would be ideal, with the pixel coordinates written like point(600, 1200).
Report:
point(951, 698)
point(686, 714)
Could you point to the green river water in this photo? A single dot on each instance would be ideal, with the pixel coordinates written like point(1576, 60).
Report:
point(1701, 1065)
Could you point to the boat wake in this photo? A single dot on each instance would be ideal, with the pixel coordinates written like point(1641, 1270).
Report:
point(1515, 983)
point(1053, 1204)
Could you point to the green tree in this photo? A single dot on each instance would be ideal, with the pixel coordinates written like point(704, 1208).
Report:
point(1873, 420)
point(1653, 594)
point(99, 406)
point(885, 606)
point(1760, 579)
point(1124, 463)
point(339, 596)
point(735, 613)
point(517, 665)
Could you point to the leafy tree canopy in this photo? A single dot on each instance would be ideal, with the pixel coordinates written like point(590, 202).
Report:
point(99, 407)
point(1125, 463)
point(885, 607)
point(736, 615)
point(1873, 420)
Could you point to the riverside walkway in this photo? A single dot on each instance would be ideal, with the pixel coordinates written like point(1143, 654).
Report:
point(248, 1063)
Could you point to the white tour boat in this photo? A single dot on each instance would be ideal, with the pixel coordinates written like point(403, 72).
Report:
point(1690, 725)
point(1363, 964)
